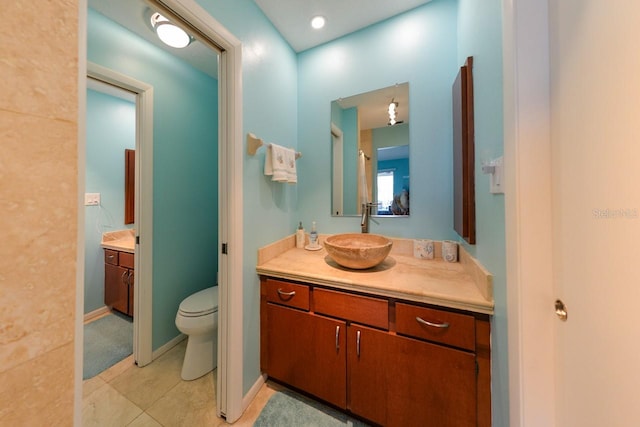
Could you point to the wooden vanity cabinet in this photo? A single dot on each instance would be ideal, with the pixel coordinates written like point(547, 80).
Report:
point(118, 281)
point(307, 352)
point(368, 360)
point(387, 367)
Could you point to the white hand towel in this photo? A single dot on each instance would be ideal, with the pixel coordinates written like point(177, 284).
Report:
point(280, 163)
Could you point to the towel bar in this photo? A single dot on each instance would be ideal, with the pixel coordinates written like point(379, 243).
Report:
point(253, 143)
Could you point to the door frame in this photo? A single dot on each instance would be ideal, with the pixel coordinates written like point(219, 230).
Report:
point(230, 312)
point(527, 152)
point(143, 217)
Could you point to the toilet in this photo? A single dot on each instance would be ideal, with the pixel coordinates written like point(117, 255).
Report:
point(197, 318)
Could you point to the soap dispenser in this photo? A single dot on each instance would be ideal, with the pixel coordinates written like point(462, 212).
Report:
point(300, 236)
point(313, 236)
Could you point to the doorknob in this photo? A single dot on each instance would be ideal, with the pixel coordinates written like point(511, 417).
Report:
point(561, 310)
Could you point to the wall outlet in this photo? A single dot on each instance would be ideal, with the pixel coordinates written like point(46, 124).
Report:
point(91, 199)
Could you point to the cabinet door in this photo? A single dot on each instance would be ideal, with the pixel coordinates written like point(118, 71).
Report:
point(308, 352)
point(116, 290)
point(430, 385)
point(367, 365)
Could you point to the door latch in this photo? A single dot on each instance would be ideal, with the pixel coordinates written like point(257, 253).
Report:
point(561, 310)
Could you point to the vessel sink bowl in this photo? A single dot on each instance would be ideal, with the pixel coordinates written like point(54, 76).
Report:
point(357, 251)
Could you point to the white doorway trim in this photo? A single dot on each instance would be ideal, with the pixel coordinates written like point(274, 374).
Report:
point(527, 148)
point(230, 287)
point(143, 257)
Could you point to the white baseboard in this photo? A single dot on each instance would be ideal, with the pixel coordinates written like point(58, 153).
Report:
point(253, 391)
point(88, 317)
point(168, 346)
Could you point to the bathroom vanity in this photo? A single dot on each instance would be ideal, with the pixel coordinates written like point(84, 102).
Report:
point(404, 343)
point(119, 270)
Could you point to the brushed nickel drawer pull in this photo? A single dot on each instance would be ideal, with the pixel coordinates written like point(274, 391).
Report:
point(358, 343)
point(337, 338)
point(434, 325)
point(286, 294)
point(111, 256)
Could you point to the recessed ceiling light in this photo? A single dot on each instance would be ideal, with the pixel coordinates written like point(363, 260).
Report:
point(318, 22)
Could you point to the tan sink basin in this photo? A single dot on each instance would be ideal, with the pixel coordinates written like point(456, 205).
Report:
point(358, 251)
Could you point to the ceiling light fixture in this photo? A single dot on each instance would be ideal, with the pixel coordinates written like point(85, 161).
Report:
point(318, 22)
point(169, 33)
point(393, 111)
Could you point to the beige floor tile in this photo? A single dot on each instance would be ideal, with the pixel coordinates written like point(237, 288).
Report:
point(143, 386)
point(118, 368)
point(91, 385)
point(144, 420)
point(106, 407)
point(190, 403)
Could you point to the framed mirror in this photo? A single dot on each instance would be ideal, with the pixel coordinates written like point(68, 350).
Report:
point(370, 152)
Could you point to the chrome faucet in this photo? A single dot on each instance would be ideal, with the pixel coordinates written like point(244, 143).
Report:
point(366, 214)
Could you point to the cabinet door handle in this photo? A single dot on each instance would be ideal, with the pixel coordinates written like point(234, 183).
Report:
point(286, 294)
point(337, 338)
point(126, 272)
point(358, 343)
point(434, 325)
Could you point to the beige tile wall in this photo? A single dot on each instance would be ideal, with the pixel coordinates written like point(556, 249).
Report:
point(38, 210)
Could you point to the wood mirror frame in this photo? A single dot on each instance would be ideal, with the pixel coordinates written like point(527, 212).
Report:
point(464, 201)
point(129, 185)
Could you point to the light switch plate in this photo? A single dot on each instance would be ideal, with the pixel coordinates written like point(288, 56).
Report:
point(91, 199)
point(496, 185)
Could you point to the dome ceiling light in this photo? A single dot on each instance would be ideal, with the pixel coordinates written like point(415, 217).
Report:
point(169, 33)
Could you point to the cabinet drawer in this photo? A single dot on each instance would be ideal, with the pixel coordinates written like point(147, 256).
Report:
point(365, 310)
point(126, 259)
point(110, 257)
point(460, 331)
point(289, 294)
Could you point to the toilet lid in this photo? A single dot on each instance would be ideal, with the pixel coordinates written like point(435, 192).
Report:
point(201, 303)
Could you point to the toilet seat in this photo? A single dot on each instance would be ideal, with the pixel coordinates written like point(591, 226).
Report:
point(200, 304)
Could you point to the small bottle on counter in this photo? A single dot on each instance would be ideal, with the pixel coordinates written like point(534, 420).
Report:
point(300, 236)
point(313, 236)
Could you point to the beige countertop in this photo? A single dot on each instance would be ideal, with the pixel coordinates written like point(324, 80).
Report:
point(463, 285)
point(121, 240)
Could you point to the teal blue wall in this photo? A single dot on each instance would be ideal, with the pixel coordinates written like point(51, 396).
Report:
point(350, 139)
point(269, 87)
point(480, 36)
point(418, 47)
point(185, 165)
point(111, 128)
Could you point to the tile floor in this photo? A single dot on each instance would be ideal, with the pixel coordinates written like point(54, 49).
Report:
point(125, 395)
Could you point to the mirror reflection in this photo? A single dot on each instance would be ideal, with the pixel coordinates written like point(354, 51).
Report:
point(370, 152)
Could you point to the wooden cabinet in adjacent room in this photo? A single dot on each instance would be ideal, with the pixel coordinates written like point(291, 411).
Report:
point(392, 362)
point(118, 281)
